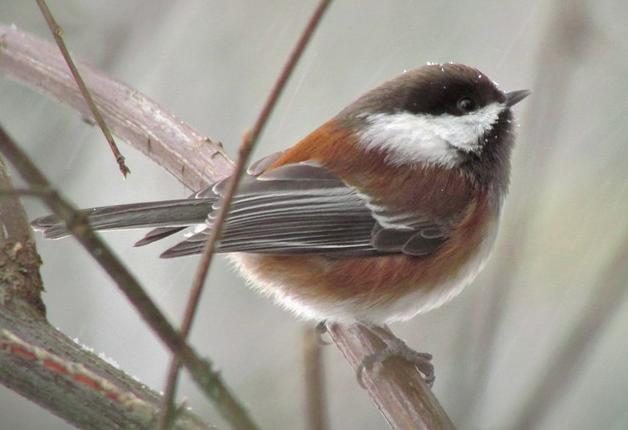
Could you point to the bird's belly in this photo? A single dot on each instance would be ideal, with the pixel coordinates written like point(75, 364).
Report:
point(433, 294)
point(374, 289)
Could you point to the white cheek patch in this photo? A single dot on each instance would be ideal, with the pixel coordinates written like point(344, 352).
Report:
point(409, 138)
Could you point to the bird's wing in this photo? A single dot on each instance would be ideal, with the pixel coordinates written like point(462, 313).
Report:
point(303, 208)
point(254, 169)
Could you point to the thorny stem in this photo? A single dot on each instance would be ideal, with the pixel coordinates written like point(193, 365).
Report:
point(57, 33)
point(248, 143)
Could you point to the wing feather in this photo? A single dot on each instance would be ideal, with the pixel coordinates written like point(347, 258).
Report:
point(303, 208)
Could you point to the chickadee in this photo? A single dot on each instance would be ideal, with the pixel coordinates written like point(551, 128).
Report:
point(387, 210)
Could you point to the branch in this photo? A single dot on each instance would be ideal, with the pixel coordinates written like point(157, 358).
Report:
point(57, 33)
point(315, 399)
point(29, 60)
point(20, 282)
point(400, 394)
point(76, 222)
point(47, 367)
point(187, 155)
point(177, 147)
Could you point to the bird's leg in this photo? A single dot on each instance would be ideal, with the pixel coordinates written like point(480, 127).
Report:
point(321, 330)
point(395, 347)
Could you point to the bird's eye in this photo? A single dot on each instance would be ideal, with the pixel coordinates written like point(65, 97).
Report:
point(465, 105)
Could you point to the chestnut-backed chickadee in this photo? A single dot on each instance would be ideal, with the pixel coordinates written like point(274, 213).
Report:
point(385, 211)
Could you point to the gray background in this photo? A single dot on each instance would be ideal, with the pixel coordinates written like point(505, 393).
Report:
point(212, 64)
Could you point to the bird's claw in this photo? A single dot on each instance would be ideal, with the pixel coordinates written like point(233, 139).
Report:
point(321, 330)
point(397, 348)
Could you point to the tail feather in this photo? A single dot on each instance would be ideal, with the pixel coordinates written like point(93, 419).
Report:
point(192, 245)
point(158, 234)
point(171, 214)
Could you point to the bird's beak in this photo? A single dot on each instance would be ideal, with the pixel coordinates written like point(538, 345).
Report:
point(514, 97)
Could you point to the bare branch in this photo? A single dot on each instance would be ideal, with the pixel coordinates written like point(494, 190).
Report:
point(75, 384)
point(18, 192)
point(57, 33)
point(20, 282)
point(76, 222)
point(315, 404)
point(248, 143)
point(193, 159)
point(29, 60)
point(15, 226)
point(47, 367)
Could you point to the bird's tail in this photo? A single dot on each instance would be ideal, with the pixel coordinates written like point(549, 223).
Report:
point(174, 214)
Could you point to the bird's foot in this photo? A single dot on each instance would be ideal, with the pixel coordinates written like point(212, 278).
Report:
point(321, 330)
point(395, 347)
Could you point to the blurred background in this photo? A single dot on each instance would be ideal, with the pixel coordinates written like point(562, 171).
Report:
point(212, 64)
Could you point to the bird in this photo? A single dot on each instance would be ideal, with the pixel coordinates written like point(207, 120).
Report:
point(385, 211)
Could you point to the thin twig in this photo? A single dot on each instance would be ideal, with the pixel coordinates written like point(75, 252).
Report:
point(577, 348)
point(315, 404)
point(23, 192)
point(57, 33)
point(248, 143)
point(187, 155)
point(76, 222)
